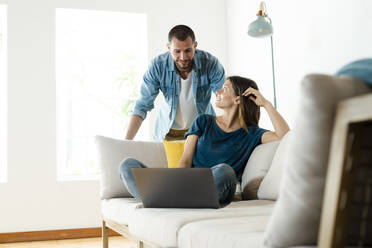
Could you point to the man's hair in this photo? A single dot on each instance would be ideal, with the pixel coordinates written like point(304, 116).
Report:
point(181, 32)
point(249, 112)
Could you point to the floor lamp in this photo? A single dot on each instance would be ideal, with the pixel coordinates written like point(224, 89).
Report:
point(262, 27)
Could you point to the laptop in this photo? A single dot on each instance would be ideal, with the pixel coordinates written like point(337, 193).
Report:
point(176, 187)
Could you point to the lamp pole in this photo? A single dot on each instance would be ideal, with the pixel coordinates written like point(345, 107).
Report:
point(272, 65)
point(262, 27)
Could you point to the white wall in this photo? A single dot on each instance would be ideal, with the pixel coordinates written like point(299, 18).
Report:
point(309, 36)
point(32, 199)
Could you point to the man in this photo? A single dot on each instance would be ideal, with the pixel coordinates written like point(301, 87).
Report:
point(186, 77)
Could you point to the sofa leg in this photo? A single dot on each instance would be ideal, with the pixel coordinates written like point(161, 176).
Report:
point(104, 235)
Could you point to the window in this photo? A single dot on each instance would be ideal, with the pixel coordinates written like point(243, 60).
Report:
point(100, 60)
point(3, 94)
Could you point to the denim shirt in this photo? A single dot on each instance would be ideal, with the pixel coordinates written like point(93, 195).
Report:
point(207, 75)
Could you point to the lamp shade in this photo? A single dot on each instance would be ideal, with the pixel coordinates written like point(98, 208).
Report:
point(260, 27)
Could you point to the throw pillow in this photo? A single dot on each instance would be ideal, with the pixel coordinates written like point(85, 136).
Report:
point(257, 166)
point(111, 153)
point(296, 216)
point(360, 69)
point(174, 151)
point(270, 185)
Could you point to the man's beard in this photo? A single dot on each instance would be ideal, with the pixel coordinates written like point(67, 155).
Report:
point(183, 68)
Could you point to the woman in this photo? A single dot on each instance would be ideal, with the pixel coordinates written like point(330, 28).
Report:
point(223, 143)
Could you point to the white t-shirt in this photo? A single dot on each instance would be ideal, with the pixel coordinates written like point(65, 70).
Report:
point(186, 110)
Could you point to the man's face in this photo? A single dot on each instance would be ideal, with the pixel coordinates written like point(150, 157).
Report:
point(182, 53)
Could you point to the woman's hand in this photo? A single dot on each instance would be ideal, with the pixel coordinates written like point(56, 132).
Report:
point(280, 125)
point(256, 97)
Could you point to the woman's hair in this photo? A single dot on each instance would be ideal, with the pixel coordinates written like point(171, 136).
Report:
point(249, 112)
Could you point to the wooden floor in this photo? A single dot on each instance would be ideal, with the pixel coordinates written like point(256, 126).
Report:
point(114, 242)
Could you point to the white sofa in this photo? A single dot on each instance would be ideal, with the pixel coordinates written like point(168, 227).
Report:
point(186, 227)
point(294, 168)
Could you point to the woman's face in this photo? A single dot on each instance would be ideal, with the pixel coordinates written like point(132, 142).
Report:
point(226, 96)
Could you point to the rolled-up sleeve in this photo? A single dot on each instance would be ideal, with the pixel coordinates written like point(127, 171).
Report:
point(149, 91)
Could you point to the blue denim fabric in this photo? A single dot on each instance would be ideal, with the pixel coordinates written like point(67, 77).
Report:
point(225, 180)
point(223, 176)
point(207, 75)
point(361, 69)
point(126, 175)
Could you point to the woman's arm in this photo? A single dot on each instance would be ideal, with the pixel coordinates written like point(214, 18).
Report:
point(188, 151)
point(280, 125)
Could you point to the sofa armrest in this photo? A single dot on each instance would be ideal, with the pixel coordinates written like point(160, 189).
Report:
point(111, 153)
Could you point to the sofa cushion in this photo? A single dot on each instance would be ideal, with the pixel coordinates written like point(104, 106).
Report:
point(269, 187)
point(360, 69)
point(174, 151)
point(257, 166)
point(161, 226)
point(296, 216)
point(237, 232)
point(111, 153)
point(119, 209)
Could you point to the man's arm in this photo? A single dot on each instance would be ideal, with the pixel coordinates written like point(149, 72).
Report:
point(134, 124)
point(216, 75)
point(149, 91)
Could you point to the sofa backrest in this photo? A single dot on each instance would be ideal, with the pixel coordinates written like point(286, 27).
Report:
point(256, 169)
point(270, 185)
point(111, 153)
